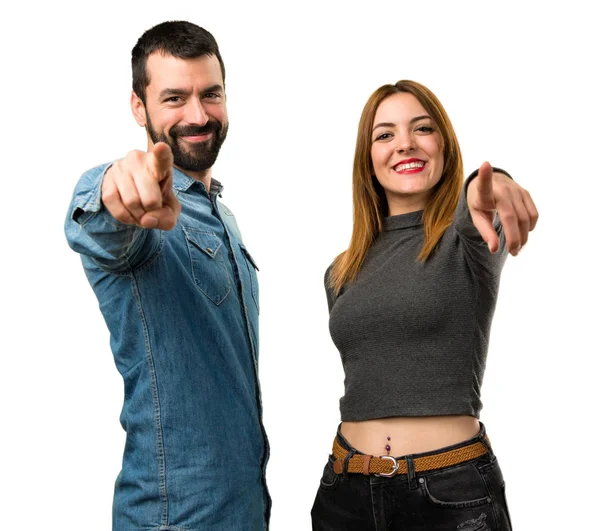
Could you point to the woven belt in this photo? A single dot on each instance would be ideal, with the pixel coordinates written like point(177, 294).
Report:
point(389, 466)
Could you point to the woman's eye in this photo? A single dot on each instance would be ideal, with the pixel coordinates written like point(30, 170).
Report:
point(425, 129)
point(383, 136)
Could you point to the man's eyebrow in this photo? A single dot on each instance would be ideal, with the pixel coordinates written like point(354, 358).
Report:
point(213, 88)
point(392, 124)
point(173, 92)
point(168, 92)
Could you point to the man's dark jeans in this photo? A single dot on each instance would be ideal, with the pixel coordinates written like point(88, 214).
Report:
point(465, 497)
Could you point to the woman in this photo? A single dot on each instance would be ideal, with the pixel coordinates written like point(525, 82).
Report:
point(411, 303)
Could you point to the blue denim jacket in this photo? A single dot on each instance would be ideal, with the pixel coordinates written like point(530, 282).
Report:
point(182, 310)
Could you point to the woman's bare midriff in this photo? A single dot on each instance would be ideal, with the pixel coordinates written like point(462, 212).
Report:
point(409, 435)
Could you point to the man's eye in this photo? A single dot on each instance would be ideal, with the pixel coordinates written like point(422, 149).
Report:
point(173, 99)
point(212, 95)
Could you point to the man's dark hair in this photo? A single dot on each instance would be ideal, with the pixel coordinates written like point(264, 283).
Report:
point(178, 38)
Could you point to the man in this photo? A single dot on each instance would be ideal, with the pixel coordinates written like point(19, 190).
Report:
point(178, 291)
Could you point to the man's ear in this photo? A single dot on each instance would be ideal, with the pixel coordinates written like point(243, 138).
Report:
point(138, 109)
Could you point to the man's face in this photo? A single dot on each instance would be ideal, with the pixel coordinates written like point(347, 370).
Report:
point(185, 107)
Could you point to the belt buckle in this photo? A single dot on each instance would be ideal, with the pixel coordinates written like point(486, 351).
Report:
point(393, 472)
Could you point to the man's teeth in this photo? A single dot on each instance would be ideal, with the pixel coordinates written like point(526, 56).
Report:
point(409, 166)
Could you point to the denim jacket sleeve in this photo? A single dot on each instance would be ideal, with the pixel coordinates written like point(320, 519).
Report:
point(481, 261)
point(91, 230)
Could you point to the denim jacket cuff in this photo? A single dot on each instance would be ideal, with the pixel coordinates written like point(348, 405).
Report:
point(87, 200)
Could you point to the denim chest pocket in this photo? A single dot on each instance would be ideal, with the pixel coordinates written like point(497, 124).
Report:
point(208, 266)
point(252, 269)
point(459, 487)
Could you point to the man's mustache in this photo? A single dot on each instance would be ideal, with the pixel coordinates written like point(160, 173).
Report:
point(195, 130)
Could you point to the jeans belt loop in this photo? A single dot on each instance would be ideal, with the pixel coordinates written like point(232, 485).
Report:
point(410, 467)
point(345, 467)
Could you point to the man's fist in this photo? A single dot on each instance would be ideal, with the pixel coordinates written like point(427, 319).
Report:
point(138, 190)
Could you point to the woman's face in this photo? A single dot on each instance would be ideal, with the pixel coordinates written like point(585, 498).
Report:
point(406, 152)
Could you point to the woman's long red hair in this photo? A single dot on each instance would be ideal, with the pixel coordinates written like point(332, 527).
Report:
point(368, 196)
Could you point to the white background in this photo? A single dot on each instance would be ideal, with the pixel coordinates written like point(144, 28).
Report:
point(519, 82)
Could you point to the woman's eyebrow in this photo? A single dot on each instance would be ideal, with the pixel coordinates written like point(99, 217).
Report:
point(392, 124)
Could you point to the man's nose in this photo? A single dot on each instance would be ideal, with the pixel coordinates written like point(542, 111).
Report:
point(196, 113)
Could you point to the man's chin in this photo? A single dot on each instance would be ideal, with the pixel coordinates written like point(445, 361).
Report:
point(200, 159)
point(190, 164)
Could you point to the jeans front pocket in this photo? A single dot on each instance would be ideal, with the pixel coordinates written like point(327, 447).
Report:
point(459, 487)
point(252, 269)
point(208, 267)
point(329, 479)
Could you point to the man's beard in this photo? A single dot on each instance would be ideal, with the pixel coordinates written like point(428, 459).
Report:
point(200, 155)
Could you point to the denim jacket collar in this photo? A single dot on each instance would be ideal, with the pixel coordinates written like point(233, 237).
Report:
point(183, 182)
